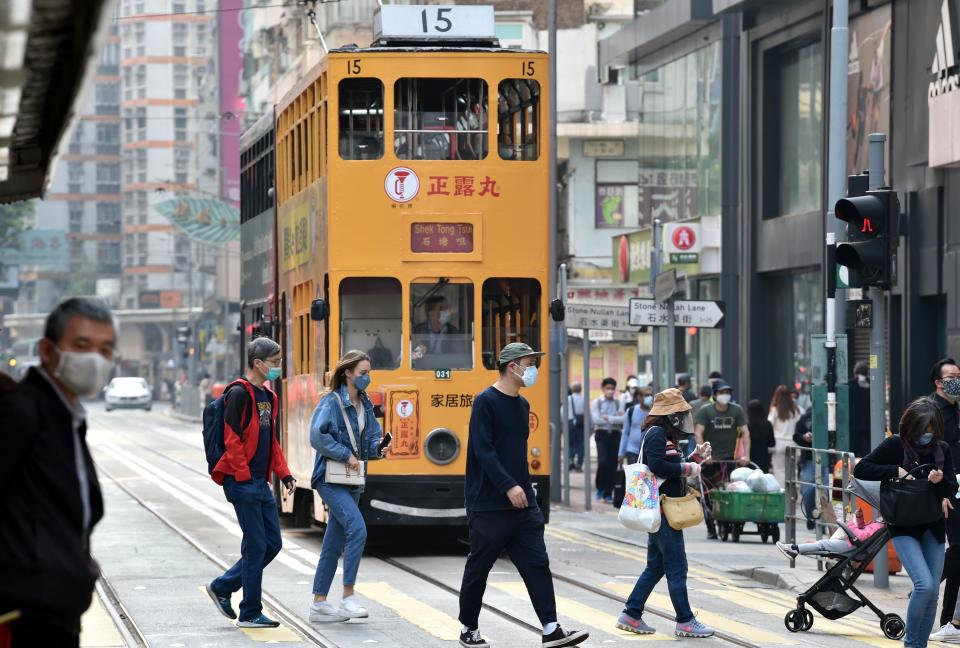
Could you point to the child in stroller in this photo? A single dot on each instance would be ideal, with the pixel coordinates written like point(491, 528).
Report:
point(838, 543)
point(853, 546)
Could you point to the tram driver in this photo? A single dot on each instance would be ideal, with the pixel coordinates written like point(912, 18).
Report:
point(436, 335)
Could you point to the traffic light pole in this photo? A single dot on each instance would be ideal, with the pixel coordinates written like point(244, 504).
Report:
point(878, 360)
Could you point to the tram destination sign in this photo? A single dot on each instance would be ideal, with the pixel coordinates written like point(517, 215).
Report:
point(409, 22)
point(702, 314)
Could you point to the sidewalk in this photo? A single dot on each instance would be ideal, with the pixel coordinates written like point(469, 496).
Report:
point(749, 557)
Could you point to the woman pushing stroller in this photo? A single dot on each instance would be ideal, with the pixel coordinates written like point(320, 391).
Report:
point(917, 452)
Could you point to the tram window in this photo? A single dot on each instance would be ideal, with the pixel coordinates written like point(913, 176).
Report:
point(518, 110)
point(440, 119)
point(441, 325)
point(361, 119)
point(371, 318)
point(511, 313)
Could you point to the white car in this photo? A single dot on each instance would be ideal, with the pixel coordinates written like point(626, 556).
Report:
point(128, 393)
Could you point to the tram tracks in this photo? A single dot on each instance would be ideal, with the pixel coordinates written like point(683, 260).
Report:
point(129, 630)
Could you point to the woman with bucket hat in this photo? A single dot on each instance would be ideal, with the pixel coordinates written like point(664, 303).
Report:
point(664, 427)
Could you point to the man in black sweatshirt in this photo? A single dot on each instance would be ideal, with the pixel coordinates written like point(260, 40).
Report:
point(501, 508)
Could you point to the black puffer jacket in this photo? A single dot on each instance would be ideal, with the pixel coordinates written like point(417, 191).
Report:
point(46, 570)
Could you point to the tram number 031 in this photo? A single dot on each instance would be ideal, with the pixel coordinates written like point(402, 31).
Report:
point(441, 24)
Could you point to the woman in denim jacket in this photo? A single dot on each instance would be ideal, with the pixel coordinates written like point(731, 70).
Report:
point(346, 531)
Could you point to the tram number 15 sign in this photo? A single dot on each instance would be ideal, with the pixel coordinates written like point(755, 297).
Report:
point(422, 21)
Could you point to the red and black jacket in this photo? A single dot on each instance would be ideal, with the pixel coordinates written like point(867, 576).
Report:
point(240, 447)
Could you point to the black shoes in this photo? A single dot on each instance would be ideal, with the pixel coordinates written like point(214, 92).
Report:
point(472, 639)
point(560, 637)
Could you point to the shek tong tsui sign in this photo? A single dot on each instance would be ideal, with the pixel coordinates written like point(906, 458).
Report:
point(943, 96)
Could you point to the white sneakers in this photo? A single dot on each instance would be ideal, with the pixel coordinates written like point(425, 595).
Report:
point(948, 633)
point(351, 608)
point(325, 612)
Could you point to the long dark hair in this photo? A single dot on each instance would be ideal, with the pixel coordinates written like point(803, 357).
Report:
point(663, 421)
point(756, 417)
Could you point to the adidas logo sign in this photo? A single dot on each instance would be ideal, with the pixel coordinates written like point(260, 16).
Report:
point(944, 68)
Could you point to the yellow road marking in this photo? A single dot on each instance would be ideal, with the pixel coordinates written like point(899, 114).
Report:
point(588, 616)
point(430, 619)
point(281, 634)
point(635, 553)
point(97, 628)
point(821, 626)
point(717, 621)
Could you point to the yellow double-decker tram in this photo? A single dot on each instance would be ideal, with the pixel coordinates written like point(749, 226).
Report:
point(412, 224)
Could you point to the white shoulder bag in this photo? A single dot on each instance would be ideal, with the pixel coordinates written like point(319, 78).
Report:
point(640, 510)
point(338, 472)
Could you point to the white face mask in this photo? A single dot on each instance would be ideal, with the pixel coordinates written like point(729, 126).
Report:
point(444, 317)
point(83, 373)
point(529, 376)
point(723, 399)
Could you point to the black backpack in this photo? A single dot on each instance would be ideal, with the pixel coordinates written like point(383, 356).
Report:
point(213, 445)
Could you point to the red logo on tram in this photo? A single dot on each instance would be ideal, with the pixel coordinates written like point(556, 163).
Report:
point(402, 184)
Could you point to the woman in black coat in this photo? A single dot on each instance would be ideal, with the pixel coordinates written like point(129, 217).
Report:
point(919, 445)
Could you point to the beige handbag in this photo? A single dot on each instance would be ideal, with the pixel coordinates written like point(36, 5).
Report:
point(682, 512)
point(338, 472)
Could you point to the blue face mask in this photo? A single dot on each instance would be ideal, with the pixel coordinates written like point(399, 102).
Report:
point(362, 382)
point(648, 401)
point(273, 373)
point(925, 439)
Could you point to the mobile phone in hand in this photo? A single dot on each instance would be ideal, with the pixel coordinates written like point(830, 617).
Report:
point(387, 438)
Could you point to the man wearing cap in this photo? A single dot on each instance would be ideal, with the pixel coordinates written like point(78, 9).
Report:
point(722, 423)
point(502, 511)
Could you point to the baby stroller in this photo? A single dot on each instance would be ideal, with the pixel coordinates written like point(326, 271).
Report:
point(831, 595)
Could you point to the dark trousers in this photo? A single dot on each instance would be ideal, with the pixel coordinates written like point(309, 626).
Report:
point(666, 556)
point(951, 569)
point(575, 442)
point(608, 444)
point(520, 532)
point(23, 633)
point(257, 514)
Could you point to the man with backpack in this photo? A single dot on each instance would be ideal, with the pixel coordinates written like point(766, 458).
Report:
point(240, 439)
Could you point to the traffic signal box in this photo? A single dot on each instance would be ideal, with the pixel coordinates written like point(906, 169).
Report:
point(872, 218)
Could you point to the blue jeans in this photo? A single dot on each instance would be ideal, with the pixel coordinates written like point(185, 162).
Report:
point(808, 494)
point(923, 560)
point(666, 555)
point(257, 514)
point(346, 535)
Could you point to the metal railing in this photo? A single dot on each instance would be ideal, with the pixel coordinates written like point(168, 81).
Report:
point(810, 476)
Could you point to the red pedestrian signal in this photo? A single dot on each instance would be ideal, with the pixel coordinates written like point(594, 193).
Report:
point(872, 237)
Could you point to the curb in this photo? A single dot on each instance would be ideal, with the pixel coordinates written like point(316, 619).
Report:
point(767, 577)
point(184, 417)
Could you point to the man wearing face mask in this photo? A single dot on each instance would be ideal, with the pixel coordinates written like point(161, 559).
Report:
point(945, 376)
point(49, 493)
point(252, 454)
point(436, 335)
point(502, 511)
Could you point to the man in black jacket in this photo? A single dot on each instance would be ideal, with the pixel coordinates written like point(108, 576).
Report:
point(945, 376)
point(49, 492)
point(502, 511)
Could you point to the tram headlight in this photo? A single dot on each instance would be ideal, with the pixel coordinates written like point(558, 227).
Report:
point(535, 452)
point(442, 446)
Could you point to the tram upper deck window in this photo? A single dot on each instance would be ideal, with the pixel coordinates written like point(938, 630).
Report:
point(518, 119)
point(441, 325)
point(511, 313)
point(361, 119)
point(371, 318)
point(440, 119)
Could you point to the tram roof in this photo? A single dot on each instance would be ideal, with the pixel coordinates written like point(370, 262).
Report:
point(261, 127)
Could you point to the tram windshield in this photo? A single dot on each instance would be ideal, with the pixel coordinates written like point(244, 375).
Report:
point(440, 119)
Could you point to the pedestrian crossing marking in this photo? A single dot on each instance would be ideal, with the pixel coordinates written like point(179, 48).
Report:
point(97, 629)
point(437, 623)
point(821, 626)
point(282, 634)
point(717, 621)
point(588, 616)
point(636, 553)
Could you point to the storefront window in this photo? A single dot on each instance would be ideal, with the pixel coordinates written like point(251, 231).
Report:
point(796, 313)
point(679, 115)
point(793, 159)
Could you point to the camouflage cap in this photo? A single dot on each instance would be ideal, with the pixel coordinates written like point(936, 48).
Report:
point(515, 351)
